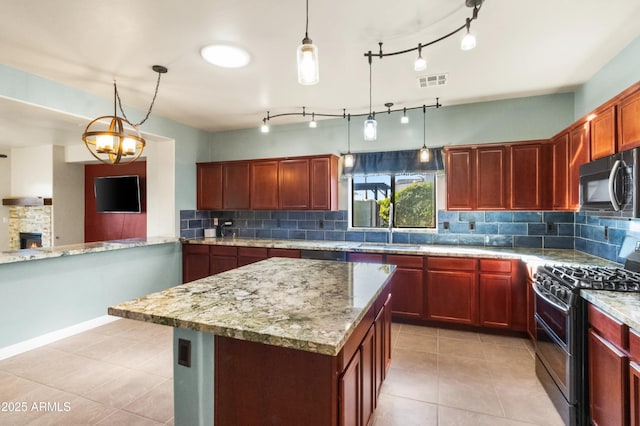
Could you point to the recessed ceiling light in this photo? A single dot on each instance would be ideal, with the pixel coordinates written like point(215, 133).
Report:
point(225, 55)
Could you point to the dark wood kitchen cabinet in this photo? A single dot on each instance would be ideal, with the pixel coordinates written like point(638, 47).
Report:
point(236, 186)
point(494, 291)
point(629, 121)
point(195, 262)
point(407, 286)
point(294, 184)
point(324, 183)
point(460, 167)
point(247, 255)
point(560, 171)
point(608, 369)
point(603, 132)
point(528, 175)
point(634, 378)
point(579, 143)
point(491, 181)
point(264, 185)
point(223, 258)
point(209, 186)
point(451, 290)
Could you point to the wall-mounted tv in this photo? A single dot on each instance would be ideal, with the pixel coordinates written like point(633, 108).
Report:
point(117, 194)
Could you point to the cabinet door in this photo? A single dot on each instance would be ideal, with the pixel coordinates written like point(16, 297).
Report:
point(629, 122)
point(264, 185)
point(222, 263)
point(195, 262)
point(491, 178)
point(294, 184)
point(209, 186)
point(365, 257)
point(460, 175)
point(367, 352)
point(236, 186)
point(608, 386)
point(324, 183)
point(495, 300)
point(350, 393)
point(277, 252)
point(634, 393)
point(603, 133)
point(560, 174)
point(526, 179)
point(579, 141)
point(452, 296)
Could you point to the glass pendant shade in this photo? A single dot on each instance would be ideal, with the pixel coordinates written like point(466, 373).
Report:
point(468, 41)
point(420, 64)
point(348, 160)
point(308, 70)
point(425, 155)
point(264, 128)
point(370, 132)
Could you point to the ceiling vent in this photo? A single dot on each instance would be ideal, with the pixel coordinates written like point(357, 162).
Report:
point(432, 80)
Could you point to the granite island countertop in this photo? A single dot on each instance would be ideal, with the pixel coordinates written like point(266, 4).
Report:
point(531, 256)
point(624, 306)
point(25, 255)
point(311, 305)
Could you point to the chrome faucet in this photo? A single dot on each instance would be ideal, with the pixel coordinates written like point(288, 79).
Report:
point(390, 223)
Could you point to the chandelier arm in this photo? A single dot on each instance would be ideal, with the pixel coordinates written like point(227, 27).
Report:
point(422, 45)
point(155, 94)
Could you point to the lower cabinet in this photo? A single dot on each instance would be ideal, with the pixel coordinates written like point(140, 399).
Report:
point(223, 258)
point(452, 290)
point(247, 255)
point(407, 286)
point(634, 377)
point(195, 262)
point(608, 369)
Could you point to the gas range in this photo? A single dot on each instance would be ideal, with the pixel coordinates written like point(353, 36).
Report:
point(563, 282)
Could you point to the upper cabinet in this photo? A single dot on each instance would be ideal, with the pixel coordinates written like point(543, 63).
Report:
point(528, 181)
point(460, 166)
point(603, 132)
point(560, 171)
point(301, 183)
point(579, 143)
point(629, 121)
point(491, 178)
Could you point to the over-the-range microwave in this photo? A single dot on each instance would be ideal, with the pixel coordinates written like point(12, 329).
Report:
point(609, 186)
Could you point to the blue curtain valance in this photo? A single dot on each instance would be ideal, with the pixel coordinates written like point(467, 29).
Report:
point(394, 162)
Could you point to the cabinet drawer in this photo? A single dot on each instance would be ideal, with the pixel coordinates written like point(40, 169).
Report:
point(495, 265)
point(224, 250)
point(196, 248)
point(413, 262)
point(252, 251)
point(634, 345)
point(291, 253)
point(364, 257)
point(609, 328)
point(452, 263)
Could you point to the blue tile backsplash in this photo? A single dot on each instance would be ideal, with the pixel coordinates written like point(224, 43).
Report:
point(524, 229)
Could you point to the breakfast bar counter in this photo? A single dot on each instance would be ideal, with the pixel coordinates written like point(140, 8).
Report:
point(281, 341)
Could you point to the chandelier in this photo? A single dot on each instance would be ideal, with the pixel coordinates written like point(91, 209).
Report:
point(115, 140)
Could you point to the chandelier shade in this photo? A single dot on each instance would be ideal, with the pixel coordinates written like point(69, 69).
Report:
point(114, 138)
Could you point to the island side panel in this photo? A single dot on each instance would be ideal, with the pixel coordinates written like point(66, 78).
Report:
point(193, 386)
point(269, 385)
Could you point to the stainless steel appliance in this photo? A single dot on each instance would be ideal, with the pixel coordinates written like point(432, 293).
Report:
point(561, 327)
point(609, 185)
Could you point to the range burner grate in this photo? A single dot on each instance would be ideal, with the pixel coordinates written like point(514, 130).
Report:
point(593, 277)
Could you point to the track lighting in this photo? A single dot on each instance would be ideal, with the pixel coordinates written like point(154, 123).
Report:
point(313, 124)
point(404, 119)
point(469, 40)
point(370, 125)
point(349, 160)
point(425, 154)
point(307, 55)
point(420, 64)
point(265, 127)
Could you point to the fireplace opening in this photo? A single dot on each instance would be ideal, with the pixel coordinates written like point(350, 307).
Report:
point(30, 240)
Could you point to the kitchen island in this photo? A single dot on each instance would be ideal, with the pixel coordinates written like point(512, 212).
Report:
point(281, 341)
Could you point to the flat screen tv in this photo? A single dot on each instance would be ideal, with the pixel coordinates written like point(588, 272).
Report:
point(117, 194)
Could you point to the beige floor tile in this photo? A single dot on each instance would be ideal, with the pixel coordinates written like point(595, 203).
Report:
point(86, 375)
point(527, 405)
point(448, 416)
point(418, 330)
point(122, 351)
point(124, 418)
point(161, 364)
point(463, 368)
point(36, 404)
point(156, 404)
point(420, 362)
point(459, 334)
point(417, 343)
point(79, 341)
point(409, 384)
point(13, 388)
point(498, 339)
point(469, 395)
point(124, 389)
point(396, 411)
point(42, 365)
point(170, 422)
point(76, 411)
point(460, 347)
point(507, 354)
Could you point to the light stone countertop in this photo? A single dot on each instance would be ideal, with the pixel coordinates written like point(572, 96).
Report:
point(533, 257)
point(25, 255)
point(623, 306)
point(311, 305)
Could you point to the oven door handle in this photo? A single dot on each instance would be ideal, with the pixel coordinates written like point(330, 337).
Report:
point(563, 309)
point(612, 185)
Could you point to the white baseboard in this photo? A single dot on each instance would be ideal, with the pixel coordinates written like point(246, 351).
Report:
point(45, 339)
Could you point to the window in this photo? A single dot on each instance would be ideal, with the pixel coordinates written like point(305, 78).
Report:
point(413, 197)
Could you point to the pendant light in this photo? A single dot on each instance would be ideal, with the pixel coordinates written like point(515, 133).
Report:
point(425, 154)
point(469, 40)
point(420, 64)
point(370, 132)
point(349, 160)
point(404, 119)
point(307, 54)
point(111, 139)
point(313, 123)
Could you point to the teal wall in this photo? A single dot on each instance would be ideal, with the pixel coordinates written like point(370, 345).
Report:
point(191, 143)
point(537, 117)
point(621, 72)
point(42, 296)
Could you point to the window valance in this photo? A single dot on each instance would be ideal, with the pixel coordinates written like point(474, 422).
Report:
point(394, 162)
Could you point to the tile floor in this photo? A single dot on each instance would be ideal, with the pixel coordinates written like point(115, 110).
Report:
point(120, 374)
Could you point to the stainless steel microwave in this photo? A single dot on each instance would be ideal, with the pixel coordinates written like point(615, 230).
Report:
point(609, 186)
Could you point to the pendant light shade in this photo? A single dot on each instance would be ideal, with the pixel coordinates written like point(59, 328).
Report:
point(349, 160)
point(425, 154)
point(469, 40)
point(370, 129)
point(307, 56)
point(420, 64)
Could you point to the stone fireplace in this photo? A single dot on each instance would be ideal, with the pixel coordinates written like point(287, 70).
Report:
point(30, 220)
point(30, 240)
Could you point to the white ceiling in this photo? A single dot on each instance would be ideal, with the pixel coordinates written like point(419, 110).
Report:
point(524, 48)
